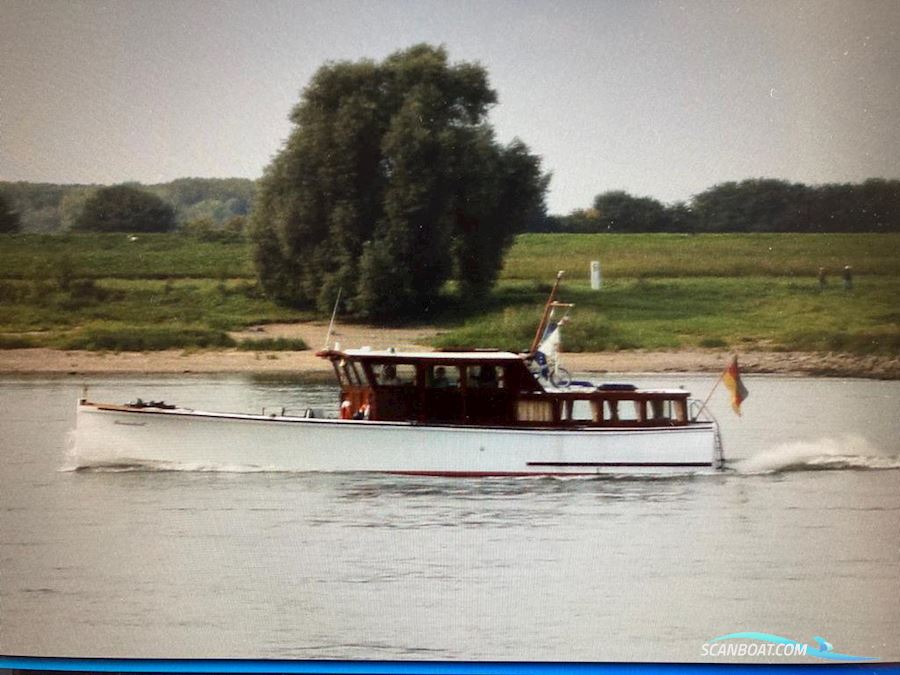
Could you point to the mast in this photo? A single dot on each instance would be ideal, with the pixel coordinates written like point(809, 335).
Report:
point(333, 315)
point(546, 316)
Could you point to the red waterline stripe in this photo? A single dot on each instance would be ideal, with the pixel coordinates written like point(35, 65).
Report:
point(486, 474)
point(620, 464)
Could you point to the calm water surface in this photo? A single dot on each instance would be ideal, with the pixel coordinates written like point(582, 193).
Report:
point(800, 537)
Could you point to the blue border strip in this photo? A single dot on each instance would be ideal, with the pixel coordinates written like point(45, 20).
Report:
point(421, 667)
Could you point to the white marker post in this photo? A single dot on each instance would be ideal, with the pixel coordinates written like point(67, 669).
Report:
point(595, 275)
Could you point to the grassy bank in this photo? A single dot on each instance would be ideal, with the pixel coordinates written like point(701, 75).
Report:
point(120, 256)
point(134, 314)
point(748, 313)
point(532, 257)
point(109, 292)
point(539, 256)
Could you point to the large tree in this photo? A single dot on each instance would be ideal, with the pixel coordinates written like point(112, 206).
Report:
point(122, 208)
point(390, 184)
point(756, 205)
point(619, 211)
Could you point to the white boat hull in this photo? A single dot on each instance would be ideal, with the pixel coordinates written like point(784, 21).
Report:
point(114, 435)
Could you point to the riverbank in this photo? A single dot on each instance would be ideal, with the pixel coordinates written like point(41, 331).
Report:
point(58, 362)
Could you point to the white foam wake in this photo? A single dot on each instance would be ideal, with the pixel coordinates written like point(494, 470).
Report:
point(845, 452)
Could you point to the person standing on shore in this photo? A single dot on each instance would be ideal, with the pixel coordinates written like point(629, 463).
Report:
point(847, 275)
point(823, 280)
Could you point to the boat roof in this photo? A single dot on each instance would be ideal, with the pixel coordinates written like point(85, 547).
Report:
point(498, 358)
point(383, 355)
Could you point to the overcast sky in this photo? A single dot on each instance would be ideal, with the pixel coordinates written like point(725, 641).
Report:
point(657, 98)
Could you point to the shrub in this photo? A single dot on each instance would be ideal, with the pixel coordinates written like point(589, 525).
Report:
point(144, 338)
point(16, 342)
point(122, 208)
point(274, 345)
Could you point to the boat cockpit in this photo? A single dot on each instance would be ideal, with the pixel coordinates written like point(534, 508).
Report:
point(488, 388)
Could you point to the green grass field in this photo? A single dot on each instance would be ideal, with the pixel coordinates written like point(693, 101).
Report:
point(743, 313)
point(539, 256)
point(104, 256)
point(737, 292)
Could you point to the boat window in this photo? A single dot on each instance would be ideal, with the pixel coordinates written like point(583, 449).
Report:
point(339, 372)
point(396, 375)
point(532, 410)
point(486, 376)
point(660, 409)
point(442, 377)
point(640, 410)
point(623, 411)
point(577, 411)
point(351, 370)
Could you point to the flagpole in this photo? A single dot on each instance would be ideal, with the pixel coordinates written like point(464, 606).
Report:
point(333, 315)
point(713, 390)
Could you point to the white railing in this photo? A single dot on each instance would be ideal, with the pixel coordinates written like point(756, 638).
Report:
point(695, 410)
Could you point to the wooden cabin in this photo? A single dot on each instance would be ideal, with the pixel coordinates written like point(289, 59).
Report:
point(488, 388)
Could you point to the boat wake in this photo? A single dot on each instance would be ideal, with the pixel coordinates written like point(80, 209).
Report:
point(161, 467)
point(827, 454)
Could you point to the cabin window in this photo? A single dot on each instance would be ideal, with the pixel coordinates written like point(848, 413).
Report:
point(612, 410)
point(623, 411)
point(577, 411)
point(660, 409)
point(348, 372)
point(485, 377)
point(351, 371)
point(531, 410)
point(444, 377)
point(396, 375)
point(339, 372)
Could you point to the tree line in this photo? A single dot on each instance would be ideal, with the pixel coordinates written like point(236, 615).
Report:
point(205, 205)
point(392, 184)
point(49, 207)
point(754, 205)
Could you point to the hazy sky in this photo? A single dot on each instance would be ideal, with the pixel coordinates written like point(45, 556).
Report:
point(656, 98)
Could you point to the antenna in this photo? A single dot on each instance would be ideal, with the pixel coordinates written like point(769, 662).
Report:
point(333, 314)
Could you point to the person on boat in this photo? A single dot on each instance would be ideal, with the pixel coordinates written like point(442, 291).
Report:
point(487, 377)
point(346, 411)
point(389, 376)
point(440, 377)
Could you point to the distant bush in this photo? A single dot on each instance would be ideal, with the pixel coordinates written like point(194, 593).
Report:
point(16, 342)
point(274, 345)
point(12, 292)
point(9, 220)
point(206, 229)
point(883, 341)
point(140, 338)
point(122, 208)
point(81, 293)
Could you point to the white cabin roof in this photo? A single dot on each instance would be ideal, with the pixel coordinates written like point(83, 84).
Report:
point(485, 355)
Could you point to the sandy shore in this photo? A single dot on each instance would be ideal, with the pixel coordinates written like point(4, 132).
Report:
point(50, 361)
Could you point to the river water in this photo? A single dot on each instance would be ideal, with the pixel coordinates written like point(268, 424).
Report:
point(800, 537)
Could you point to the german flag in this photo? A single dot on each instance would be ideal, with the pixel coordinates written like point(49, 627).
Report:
point(732, 379)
